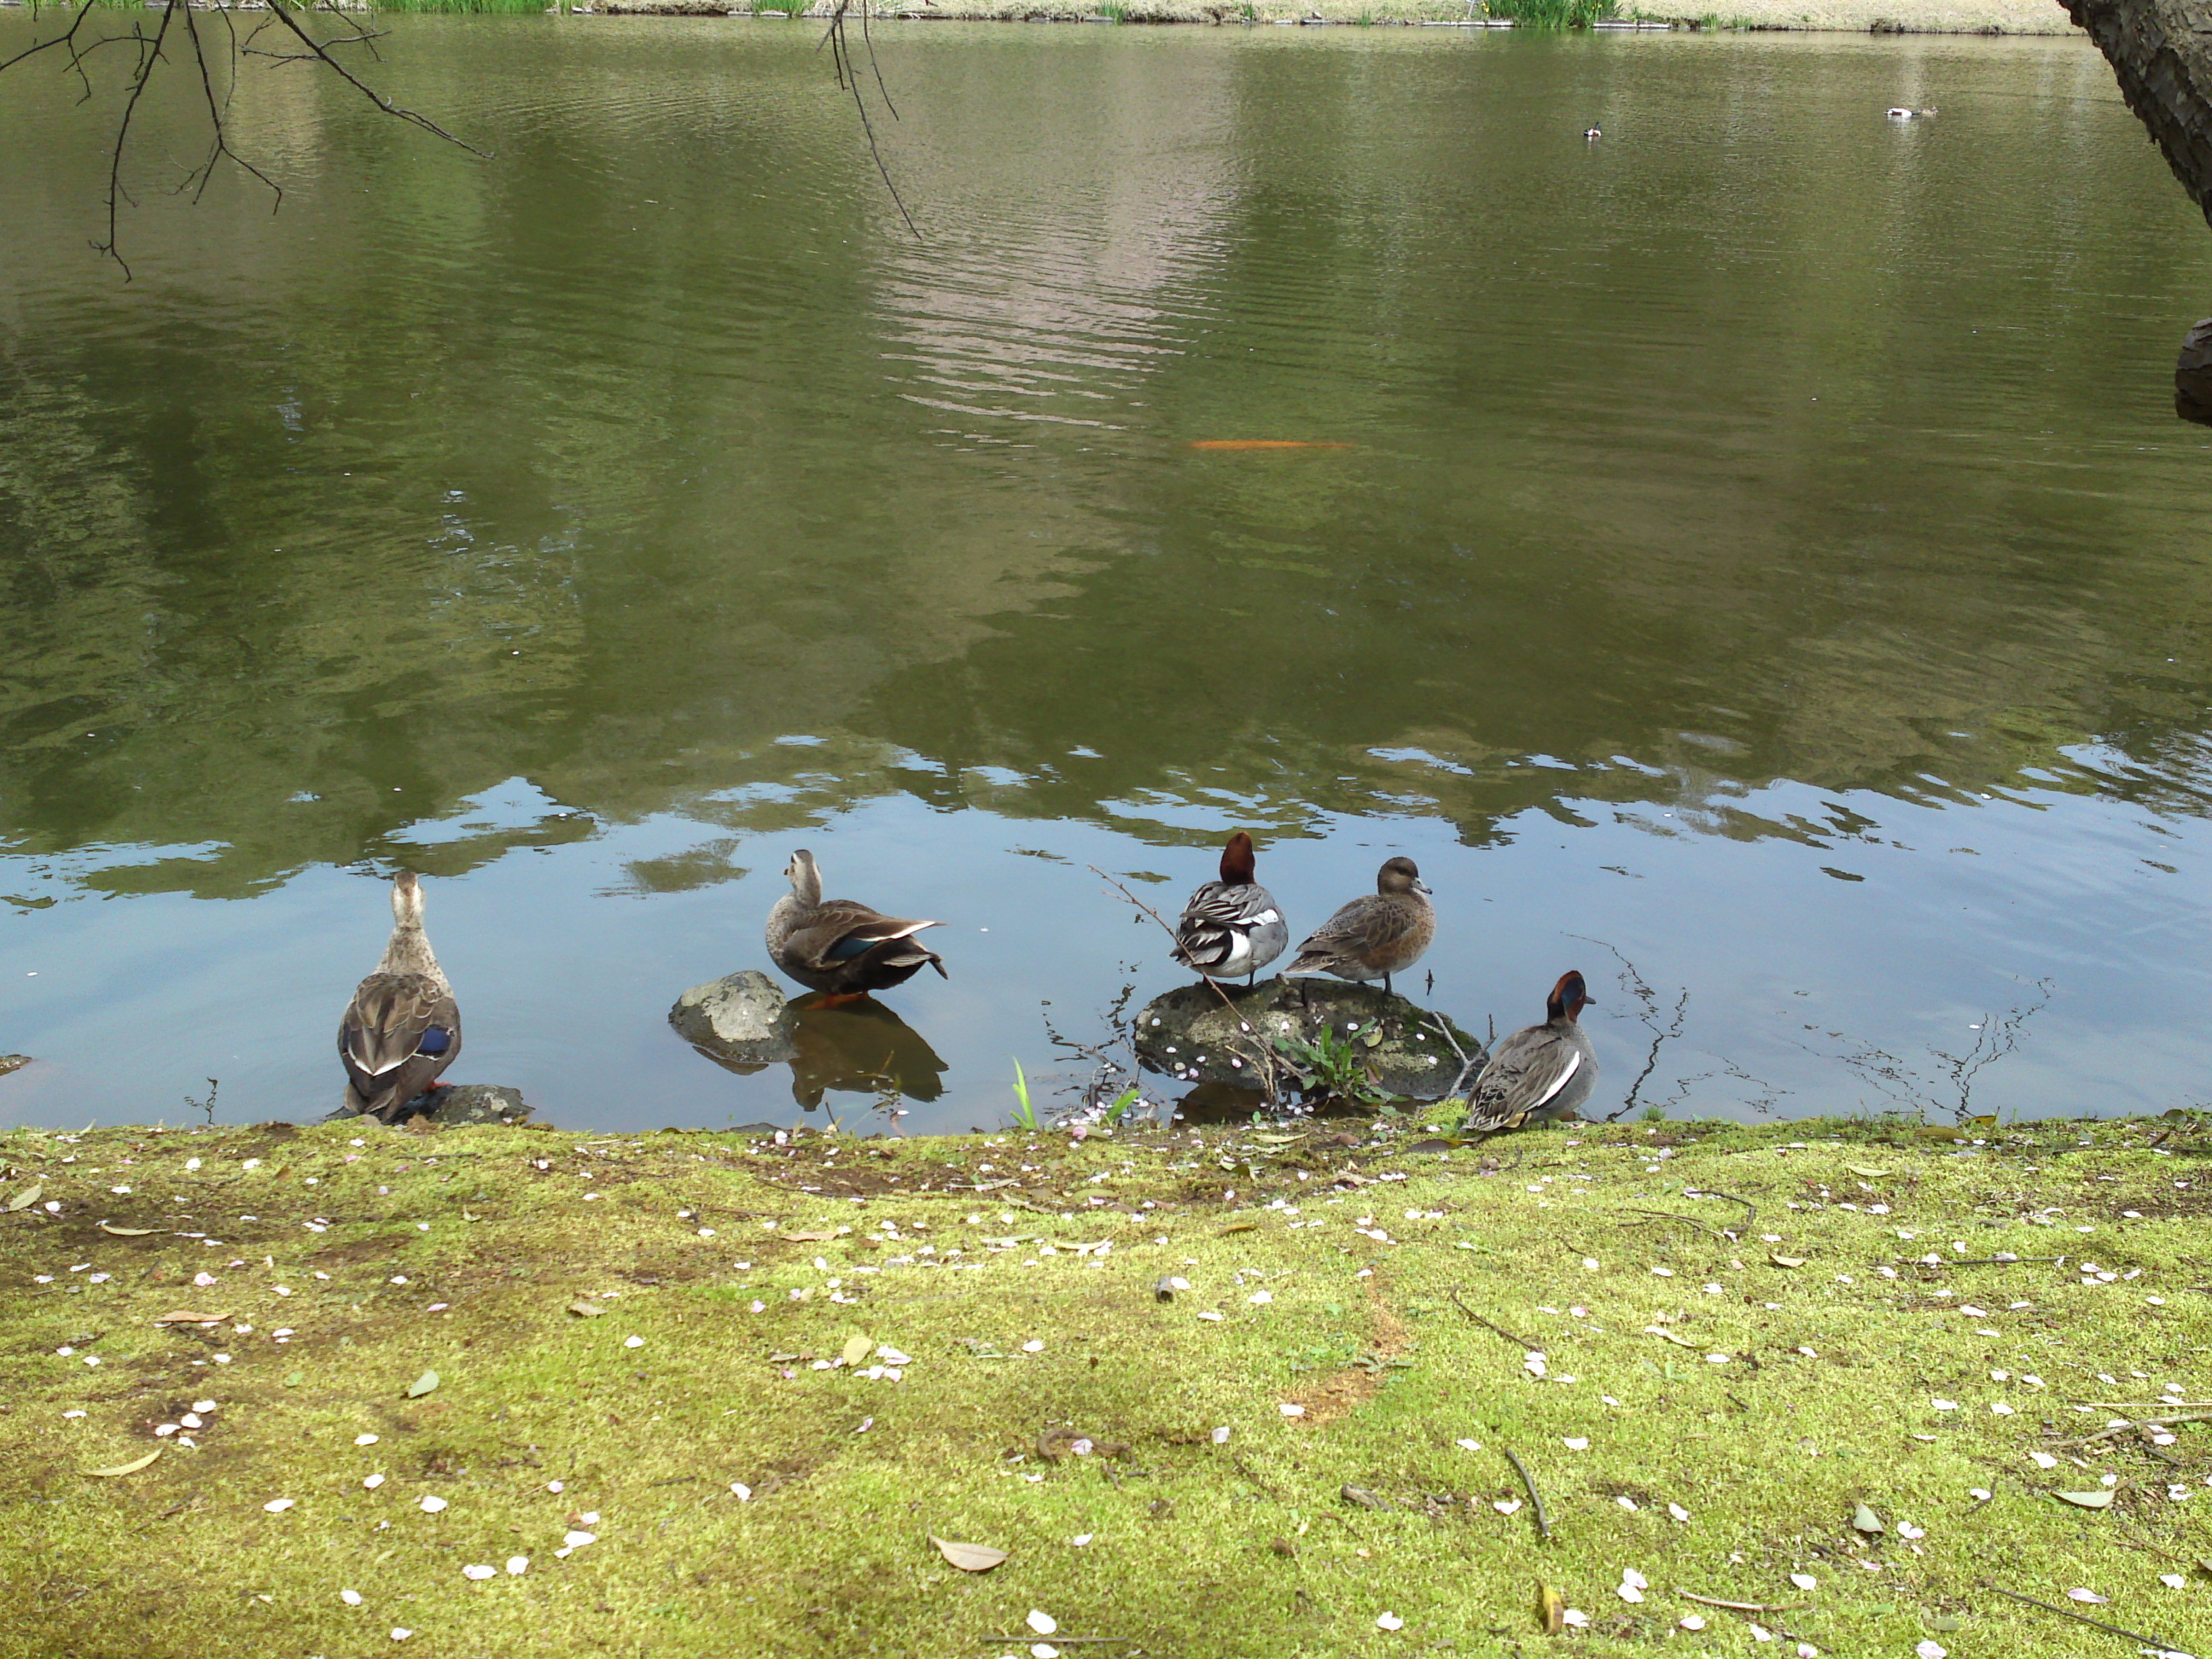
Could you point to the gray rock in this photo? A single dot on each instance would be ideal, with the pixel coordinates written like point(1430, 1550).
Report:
point(2192, 376)
point(740, 1020)
point(475, 1103)
point(450, 1104)
point(1188, 1034)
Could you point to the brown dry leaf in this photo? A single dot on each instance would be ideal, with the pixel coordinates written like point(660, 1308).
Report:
point(2101, 1498)
point(1551, 1610)
point(187, 1316)
point(807, 1239)
point(27, 1197)
point(969, 1558)
point(1864, 1170)
point(1788, 1260)
point(127, 1232)
point(132, 1468)
point(1238, 1227)
point(1938, 1132)
point(585, 1308)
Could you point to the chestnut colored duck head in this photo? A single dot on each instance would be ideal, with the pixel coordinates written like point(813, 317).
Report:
point(1239, 868)
point(1568, 998)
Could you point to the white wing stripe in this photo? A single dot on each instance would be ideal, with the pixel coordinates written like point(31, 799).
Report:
point(1574, 1060)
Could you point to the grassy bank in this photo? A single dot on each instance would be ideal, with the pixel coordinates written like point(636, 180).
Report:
point(1738, 1349)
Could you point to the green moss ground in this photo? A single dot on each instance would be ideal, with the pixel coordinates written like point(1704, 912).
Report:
point(1195, 1548)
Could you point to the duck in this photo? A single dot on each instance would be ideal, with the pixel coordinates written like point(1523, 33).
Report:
point(1593, 134)
point(1375, 936)
point(1232, 926)
point(1540, 1070)
point(403, 1028)
point(839, 946)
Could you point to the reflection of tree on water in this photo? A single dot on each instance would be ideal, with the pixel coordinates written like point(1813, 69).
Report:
point(860, 1048)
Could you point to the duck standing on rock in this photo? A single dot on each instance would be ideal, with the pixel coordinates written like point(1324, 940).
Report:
point(1375, 937)
point(1232, 926)
point(839, 946)
point(402, 1029)
point(1540, 1070)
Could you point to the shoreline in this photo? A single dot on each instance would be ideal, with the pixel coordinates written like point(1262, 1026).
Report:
point(2038, 18)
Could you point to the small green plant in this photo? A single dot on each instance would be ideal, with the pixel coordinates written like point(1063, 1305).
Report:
point(788, 7)
point(1123, 1103)
point(1114, 10)
point(1330, 1066)
point(1025, 1115)
point(1654, 1114)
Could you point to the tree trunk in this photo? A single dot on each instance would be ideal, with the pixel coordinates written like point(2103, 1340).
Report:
point(2161, 51)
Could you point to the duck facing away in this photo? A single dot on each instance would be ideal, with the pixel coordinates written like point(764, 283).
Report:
point(1540, 1070)
point(1232, 926)
point(1375, 937)
point(839, 946)
point(402, 1029)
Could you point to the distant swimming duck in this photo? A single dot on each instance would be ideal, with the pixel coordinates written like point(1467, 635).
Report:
point(1540, 1070)
point(1232, 926)
point(402, 1029)
point(1592, 132)
point(1375, 937)
point(839, 946)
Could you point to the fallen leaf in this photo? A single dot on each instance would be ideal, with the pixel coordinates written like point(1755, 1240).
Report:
point(1665, 1335)
point(585, 1310)
point(1238, 1227)
point(422, 1385)
point(1861, 1169)
point(1788, 1260)
point(1866, 1520)
point(2100, 1499)
point(1551, 1610)
point(127, 1232)
point(1938, 1132)
point(187, 1316)
point(132, 1468)
point(1364, 1498)
point(27, 1197)
point(807, 1239)
point(969, 1558)
point(856, 1349)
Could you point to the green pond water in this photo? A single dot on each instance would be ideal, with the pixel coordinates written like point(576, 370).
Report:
point(1755, 546)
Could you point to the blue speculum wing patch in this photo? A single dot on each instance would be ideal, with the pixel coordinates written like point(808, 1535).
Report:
point(435, 1041)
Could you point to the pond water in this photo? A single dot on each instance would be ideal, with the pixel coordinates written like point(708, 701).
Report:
point(1755, 547)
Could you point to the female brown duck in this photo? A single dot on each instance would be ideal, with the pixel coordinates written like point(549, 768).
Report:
point(840, 945)
point(402, 1029)
point(1375, 937)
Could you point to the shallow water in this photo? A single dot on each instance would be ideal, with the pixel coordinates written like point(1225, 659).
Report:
point(1760, 549)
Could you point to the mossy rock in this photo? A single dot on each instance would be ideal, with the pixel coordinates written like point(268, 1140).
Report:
point(1189, 1034)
